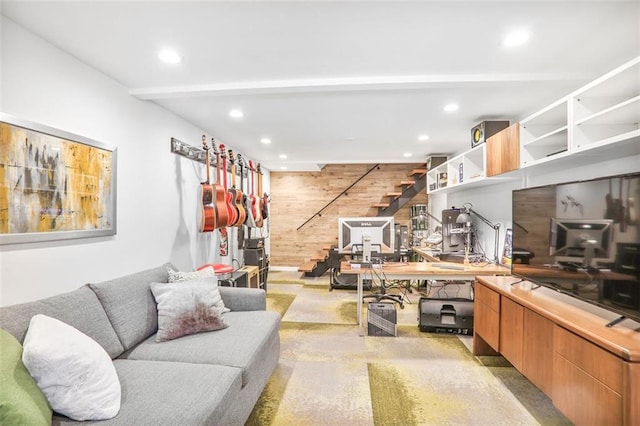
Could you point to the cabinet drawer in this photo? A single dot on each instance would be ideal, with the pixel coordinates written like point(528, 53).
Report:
point(486, 324)
point(487, 296)
point(598, 363)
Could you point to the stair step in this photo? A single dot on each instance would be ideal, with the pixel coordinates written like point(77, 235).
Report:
point(406, 183)
point(327, 248)
point(418, 172)
point(307, 266)
point(393, 194)
point(319, 257)
point(381, 205)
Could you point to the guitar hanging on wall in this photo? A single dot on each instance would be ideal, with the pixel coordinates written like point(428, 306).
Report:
point(250, 222)
point(264, 201)
point(238, 195)
point(219, 194)
point(255, 201)
point(207, 210)
point(229, 194)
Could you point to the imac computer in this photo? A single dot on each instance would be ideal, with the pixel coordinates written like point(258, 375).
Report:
point(581, 241)
point(373, 234)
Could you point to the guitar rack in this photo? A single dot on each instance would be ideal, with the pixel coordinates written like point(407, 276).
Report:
point(197, 154)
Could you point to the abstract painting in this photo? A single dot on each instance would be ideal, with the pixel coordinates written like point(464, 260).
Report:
point(53, 184)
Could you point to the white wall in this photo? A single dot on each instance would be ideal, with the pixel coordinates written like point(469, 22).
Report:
point(156, 190)
point(494, 201)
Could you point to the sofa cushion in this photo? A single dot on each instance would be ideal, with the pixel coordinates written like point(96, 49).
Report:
point(74, 372)
point(187, 308)
point(21, 400)
point(80, 309)
point(171, 393)
point(244, 344)
point(130, 305)
point(208, 274)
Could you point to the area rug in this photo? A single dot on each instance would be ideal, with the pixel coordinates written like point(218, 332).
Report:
point(330, 375)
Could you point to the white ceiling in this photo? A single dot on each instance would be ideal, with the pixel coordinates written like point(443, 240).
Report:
point(342, 82)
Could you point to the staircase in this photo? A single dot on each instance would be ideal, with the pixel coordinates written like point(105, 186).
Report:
point(395, 200)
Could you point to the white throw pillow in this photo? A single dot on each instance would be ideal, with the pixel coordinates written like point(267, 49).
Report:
point(207, 273)
point(73, 371)
point(185, 308)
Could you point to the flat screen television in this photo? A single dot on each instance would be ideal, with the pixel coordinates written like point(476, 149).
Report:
point(379, 230)
point(582, 239)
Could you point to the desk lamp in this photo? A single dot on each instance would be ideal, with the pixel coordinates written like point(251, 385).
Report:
point(465, 217)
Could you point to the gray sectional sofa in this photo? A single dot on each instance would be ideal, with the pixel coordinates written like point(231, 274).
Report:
point(211, 378)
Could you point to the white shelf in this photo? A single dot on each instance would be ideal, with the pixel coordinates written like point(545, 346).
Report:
point(474, 172)
point(600, 115)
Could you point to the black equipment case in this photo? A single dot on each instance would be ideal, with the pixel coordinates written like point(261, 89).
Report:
point(453, 316)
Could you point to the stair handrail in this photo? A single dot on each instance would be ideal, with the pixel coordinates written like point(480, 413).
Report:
point(318, 213)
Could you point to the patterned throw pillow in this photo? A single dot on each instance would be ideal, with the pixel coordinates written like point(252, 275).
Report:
point(185, 308)
point(74, 372)
point(208, 273)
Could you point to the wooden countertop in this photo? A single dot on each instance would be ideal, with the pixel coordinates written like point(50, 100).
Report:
point(426, 269)
point(623, 340)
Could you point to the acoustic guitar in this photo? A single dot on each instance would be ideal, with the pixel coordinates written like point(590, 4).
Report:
point(230, 195)
point(255, 201)
point(207, 210)
point(219, 194)
point(264, 201)
point(239, 196)
point(250, 222)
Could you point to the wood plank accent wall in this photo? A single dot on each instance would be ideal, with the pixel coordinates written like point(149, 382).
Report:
point(295, 196)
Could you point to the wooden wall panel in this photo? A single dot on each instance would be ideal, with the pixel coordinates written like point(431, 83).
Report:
point(296, 196)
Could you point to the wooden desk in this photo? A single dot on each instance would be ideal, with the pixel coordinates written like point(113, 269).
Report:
point(419, 271)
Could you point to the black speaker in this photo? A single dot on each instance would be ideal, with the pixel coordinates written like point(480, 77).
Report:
point(486, 129)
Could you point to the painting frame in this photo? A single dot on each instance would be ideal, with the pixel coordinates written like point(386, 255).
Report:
point(99, 177)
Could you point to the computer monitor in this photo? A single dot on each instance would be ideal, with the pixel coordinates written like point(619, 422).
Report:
point(379, 230)
point(582, 241)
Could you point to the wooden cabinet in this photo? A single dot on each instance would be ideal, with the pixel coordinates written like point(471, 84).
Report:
point(587, 381)
point(503, 151)
point(537, 350)
point(486, 321)
point(511, 331)
point(252, 275)
point(590, 371)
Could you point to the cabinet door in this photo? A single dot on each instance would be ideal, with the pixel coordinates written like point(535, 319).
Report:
point(511, 331)
point(486, 321)
point(537, 355)
point(587, 381)
point(503, 151)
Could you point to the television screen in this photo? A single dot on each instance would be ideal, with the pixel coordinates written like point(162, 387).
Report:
point(380, 231)
point(582, 239)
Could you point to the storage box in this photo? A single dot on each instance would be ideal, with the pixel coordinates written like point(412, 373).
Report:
point(382, 319)
point(454, 316)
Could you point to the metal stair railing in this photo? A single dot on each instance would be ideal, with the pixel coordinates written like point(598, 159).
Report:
point(344, 192)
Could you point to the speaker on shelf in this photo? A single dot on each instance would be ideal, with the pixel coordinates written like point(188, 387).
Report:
point(486, 129)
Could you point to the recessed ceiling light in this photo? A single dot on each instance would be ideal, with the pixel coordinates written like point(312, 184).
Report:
point(451, 107)
point(423, 137)
point(516, 38)
point(283, 168)
point(236, 113)
point(407, 154)
point(169, 56)
point(283, 156)
point(265, 141)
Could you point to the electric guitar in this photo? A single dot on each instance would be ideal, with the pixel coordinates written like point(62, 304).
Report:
point(229, 196)
point(264, 201)
point(219, 194)
point(250, 222)
point(239, 196)
point(207, 210)
point(255, 201)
